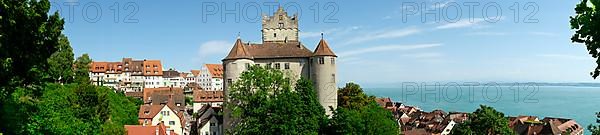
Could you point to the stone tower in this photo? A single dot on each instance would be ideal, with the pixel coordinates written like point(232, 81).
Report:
point(323, 75)
point(280, 27)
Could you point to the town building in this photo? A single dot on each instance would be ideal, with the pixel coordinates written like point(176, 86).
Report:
point(282, 50)
point(203, 98)
point(127, 75)
point(159, 129)
point(172, 78)
point(163, 105)
point(209, 122)
point(211, 77)
point(167, 114)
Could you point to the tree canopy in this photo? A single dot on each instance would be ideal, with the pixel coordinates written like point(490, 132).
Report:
point(38, 94)
point(358, 113)
point(485, 120)
point(586, 24)
point(263, 101)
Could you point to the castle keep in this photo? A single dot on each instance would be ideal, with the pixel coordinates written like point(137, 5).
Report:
point(280, 49)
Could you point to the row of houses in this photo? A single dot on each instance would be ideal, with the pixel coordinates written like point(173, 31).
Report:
point(414, 121)
point(131, 75)
point(164, 109)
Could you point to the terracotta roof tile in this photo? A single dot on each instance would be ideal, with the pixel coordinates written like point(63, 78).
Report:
point(146, 130)
point(195, 72)
point(216, 70)
point(152, 68)
point(291, 49)
point(238, 51)
point(208, 96)
point(106, 67)
point(323, 49)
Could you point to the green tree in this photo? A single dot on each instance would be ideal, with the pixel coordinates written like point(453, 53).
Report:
point(352, 96)
point(28, 36)
point(485, 121)
point(61, 62)
point(358, 113)
point(586, 24)
point(595, 129)
point(262, 101)
point(82, 68)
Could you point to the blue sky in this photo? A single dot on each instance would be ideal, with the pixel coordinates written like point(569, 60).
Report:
point(378, 42)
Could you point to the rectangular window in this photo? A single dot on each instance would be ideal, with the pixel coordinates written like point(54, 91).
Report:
point(247, 65)
point(229, 82)
point(277, 66)
point(212, 124)
point(171, 122)
point(286, 66)
point(321, 60)
point(332, 61)
point(269, 65)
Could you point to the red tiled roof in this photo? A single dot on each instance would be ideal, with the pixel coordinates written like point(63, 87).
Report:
point(238, 51)
point(146, 130)
point(323, 49)
point(208, 96)
point(106, 67)
point(152, 68)
point(216, 70)
point(291, 49)
point(149, 111)
point(195, 72)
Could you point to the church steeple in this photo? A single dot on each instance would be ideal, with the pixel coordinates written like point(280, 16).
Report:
point(280, 27)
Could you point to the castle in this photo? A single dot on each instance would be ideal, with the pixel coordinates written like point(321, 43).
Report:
point(281, 49)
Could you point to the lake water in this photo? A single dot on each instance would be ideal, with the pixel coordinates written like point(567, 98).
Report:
point(579, 103)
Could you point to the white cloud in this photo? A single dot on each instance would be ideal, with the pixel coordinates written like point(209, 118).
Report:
point(386, 48)
point(487, 33)
point(564, 56)
point(423, 55)
point(462, 23)
point(439, 5)
point(212, 49)
point(385, 34)
point(328, 32)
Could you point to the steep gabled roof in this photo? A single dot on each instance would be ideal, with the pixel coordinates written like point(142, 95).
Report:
point(215, 70)
point(323, 49)
point(238, 51)
point(195, 72)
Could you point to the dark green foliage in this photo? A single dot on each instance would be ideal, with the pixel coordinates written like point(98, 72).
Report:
point(61, 62)
point(358, 113)
point(586, 24)
point(595, 129)
point(353, 97)
point(61, 111)
point(264, 102)
point(485, 120)
point(28, 36)
point(82, 68)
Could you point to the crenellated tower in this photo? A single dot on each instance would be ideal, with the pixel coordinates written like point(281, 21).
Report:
point(280, 27)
